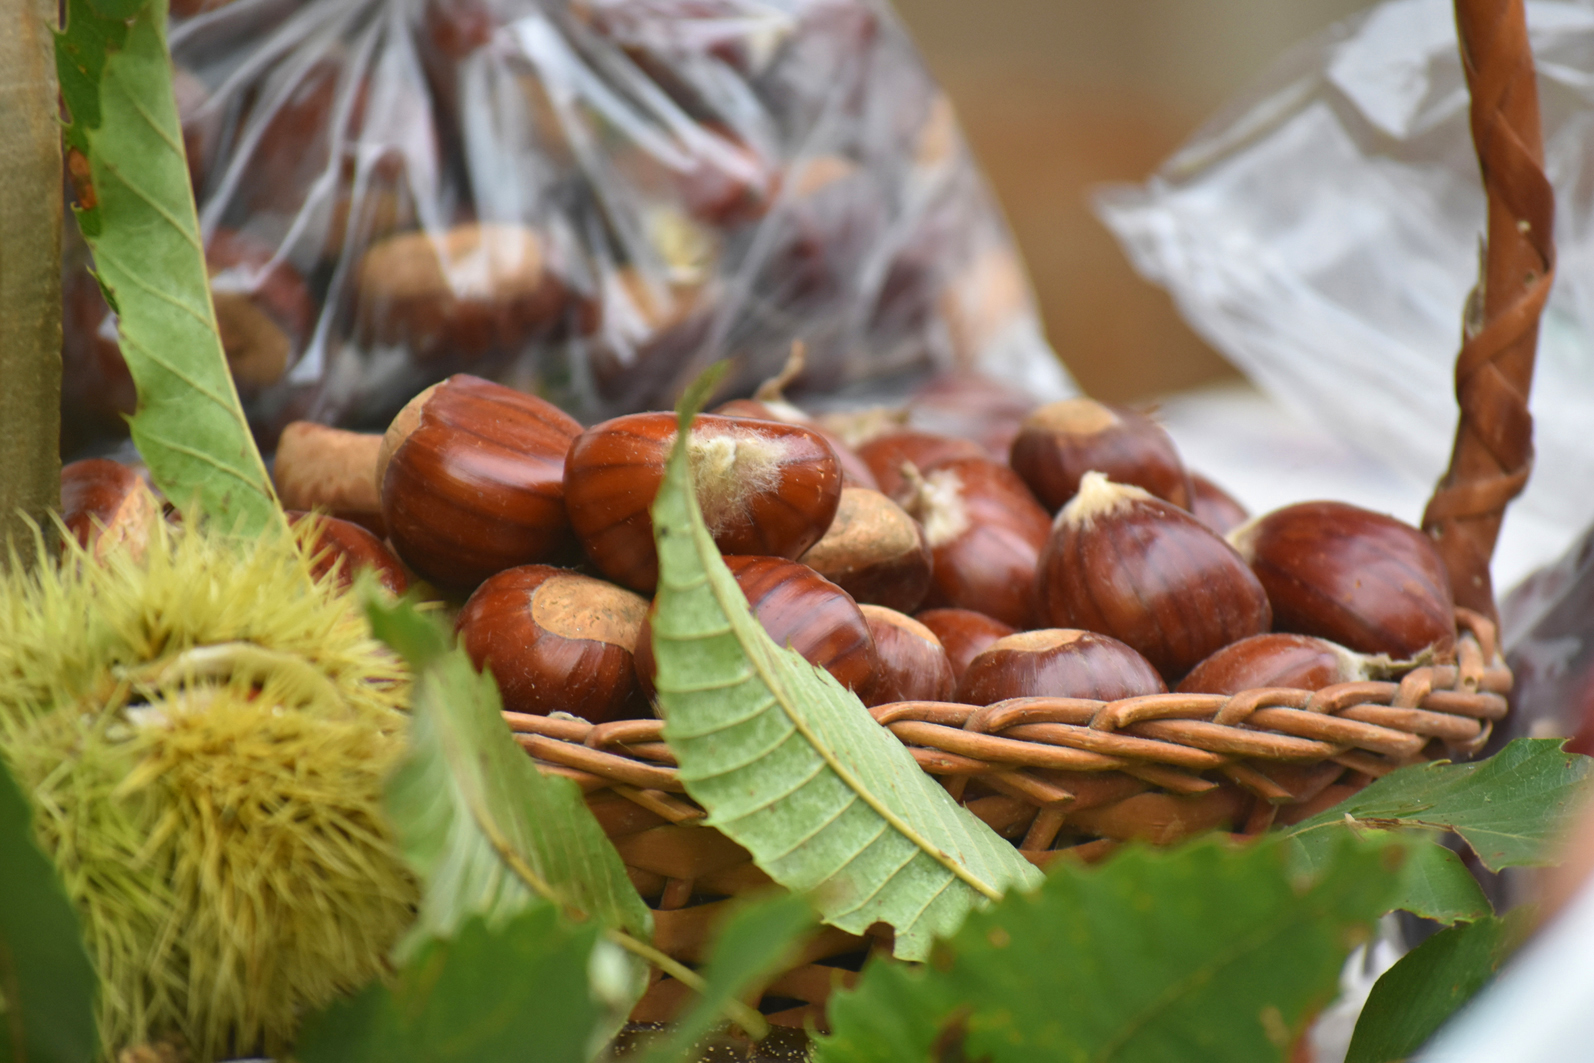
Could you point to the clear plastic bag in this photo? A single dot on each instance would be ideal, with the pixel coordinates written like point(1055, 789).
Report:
point(590, 200)
point(1323, 233)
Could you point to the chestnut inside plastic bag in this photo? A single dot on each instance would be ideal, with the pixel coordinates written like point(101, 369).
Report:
point(587, 199)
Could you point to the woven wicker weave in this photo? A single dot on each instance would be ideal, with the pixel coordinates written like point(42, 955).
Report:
point(1068, 778)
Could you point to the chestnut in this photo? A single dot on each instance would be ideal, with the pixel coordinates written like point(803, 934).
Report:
point(1359, 578)
point(105, 503)
point(799, 609)
point(557, 641)
point(342, 548)
point(968, 404)
point(964, 633)
point(765, 488)
point(886, 454)
point(1062, 441)
point(913, 663)
point(1057, 663)
point(1278, 660)
point(264, 310)
point(874, 551)
point(471, 476)
point(1123, 563)
point(1215, 507)
point(317, 467)
point(773, 407)
point(986, 532)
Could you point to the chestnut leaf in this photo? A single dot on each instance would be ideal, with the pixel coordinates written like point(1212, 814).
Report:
point(790, 765)
point(136, 211)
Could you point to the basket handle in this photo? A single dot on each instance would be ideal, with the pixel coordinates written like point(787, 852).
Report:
point(1493, 452)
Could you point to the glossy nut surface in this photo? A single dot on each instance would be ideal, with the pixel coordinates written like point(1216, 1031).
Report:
point(1057, 663)
point(886, 454)
point(913, 664)
point(472, 481)
point(964, 633)
point(874, 551)
point(798, 608)
point(105, 503)
point(986, 532)
point(341, 548)
point(1277, 659)
point(1062, 441)
point(855, 471)
point(1215, 507)
point(1358, 578)
point(1144, 571)
point(556, 640)
point(765, 488)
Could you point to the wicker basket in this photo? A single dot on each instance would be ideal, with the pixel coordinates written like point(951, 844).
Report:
point(1069, 778)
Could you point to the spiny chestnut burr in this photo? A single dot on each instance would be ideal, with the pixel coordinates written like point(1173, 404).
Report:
point(913, 663)
point(1280, 660)
point(985, 532)
point(885, 455)
point(105, 504)
point(874, 551)
point(471, 475)
point(556, 640)
point(342, 548)
point(1057, 663)
point(1359, 578)
point(964, 633)
point(765, 488)
point(1215, 507)
point(1062, 441)
point(801, 609)
point(317, 467)
point(1144, 571)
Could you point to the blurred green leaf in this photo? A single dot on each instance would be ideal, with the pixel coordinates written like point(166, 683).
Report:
point(136, 210)
point(1209, 952)
point(1509, 808)
point(47, 983)
point(790, 765)
point(1436, 885)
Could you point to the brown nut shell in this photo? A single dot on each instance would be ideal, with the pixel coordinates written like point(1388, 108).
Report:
point(472, 481)
point(765, 488)
point(1057, 663)
point(986, 532)
point(886, 454)
point(105, 504)
point(342, 548)
point(874, 551)
point(913, 663)
point(854, 471)
point(964, 633)
point(1275, 660)
point(1215, 507)
point(1144, 571)
point(317, 467)
point(1358, 578)
point(801, 609)
point(556, 640)
point(1062, 441)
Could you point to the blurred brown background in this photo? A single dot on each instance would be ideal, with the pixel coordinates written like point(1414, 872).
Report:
point(1059, 95)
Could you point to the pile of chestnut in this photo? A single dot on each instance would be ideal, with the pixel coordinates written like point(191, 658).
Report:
point(912, 565)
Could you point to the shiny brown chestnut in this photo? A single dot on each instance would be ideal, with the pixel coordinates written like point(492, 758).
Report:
point(1359, 578)
point(886, 454)
point(765, 488)
point(1279, 659)
point(471, 476)
point(317, 467)
point(1123, 563)
point(874, 551)
point(1215, 507)
point(854, 471)
point(913, 663)
point(1062, 441)
point(557, 641)
point(986, 532)
point(801, 609)
point(964, 633)
point(341, 548)
point(1057, 663)
point(105, 504)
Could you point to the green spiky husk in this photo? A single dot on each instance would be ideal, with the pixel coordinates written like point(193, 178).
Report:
point(205, 732)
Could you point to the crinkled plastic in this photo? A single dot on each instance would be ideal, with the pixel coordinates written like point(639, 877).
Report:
point(1323, 233)
point(591, 200)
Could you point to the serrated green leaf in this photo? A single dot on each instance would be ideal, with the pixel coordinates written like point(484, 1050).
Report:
point(137, 214)
point(790, 765)
point(1429, 984)
point(1509, 808)
point(488, 833)
point(47, 983)
point(1210, 952)
point(516, 992)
